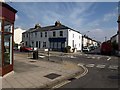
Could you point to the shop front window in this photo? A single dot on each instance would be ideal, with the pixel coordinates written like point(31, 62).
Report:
point(7, 43)
point(8, 27)
point(7, 49)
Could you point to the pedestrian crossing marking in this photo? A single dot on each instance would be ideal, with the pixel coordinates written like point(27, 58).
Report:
point(93, 57)
point(88, 57)
point(90, 65)
point(98, 57)
point(100, 66)
point(113, 67)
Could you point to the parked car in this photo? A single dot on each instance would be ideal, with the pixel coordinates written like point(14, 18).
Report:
point(26, 49)
point(92, 47)
point(86, 49)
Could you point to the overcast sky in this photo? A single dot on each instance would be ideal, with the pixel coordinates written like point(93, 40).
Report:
point(99, 18)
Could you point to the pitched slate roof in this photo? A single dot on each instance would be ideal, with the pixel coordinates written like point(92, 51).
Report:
point(50, 28)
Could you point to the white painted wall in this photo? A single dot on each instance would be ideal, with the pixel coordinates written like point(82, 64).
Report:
point(76, 37)
point(42, 39)
point(18, 35)
point(67, 33)
point(85, 41)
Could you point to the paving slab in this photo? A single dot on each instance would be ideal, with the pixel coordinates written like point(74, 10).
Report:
point(29, 74)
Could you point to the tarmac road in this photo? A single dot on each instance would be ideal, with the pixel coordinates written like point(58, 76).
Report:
point(102, 71)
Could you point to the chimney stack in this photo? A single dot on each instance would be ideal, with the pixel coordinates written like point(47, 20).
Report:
point(57, 23)
point(37, 26)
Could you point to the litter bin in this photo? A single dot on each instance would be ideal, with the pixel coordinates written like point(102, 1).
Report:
point(35, 54)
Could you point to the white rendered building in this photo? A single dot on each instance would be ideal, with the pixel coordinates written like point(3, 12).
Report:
point(18, 36)
point(55, 37)
point(87, 42)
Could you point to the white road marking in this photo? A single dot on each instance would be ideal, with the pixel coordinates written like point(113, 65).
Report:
point(113, 67)
point(80, 64)
point(108, 58)
point(98, 57)
point(41, 56)
point(90, 65)
point(88, 57)
point(72, 57)
point(93, 57)
point(100, 66)
point(61, 84)
point(83, 74)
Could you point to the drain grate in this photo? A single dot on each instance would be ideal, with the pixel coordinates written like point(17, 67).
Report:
point(52, 76)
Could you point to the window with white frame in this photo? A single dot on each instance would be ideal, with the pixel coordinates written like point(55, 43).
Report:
point(45, 34)
point(41, 34)
point(44, 44)
point(54, 33)
point(61, 33)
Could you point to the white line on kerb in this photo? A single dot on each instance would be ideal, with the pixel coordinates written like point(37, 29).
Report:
point(61, 84)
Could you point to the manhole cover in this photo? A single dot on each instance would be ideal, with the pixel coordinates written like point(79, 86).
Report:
point(52, 76)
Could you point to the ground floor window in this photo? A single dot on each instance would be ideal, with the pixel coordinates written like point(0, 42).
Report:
point(44, 44)
point(26, 43)
point(73, 43)
point(57, 45)
point(36, 43)
point(32, 44)
point(7, 49)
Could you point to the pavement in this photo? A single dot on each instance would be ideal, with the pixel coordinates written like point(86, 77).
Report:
point(29, 73)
